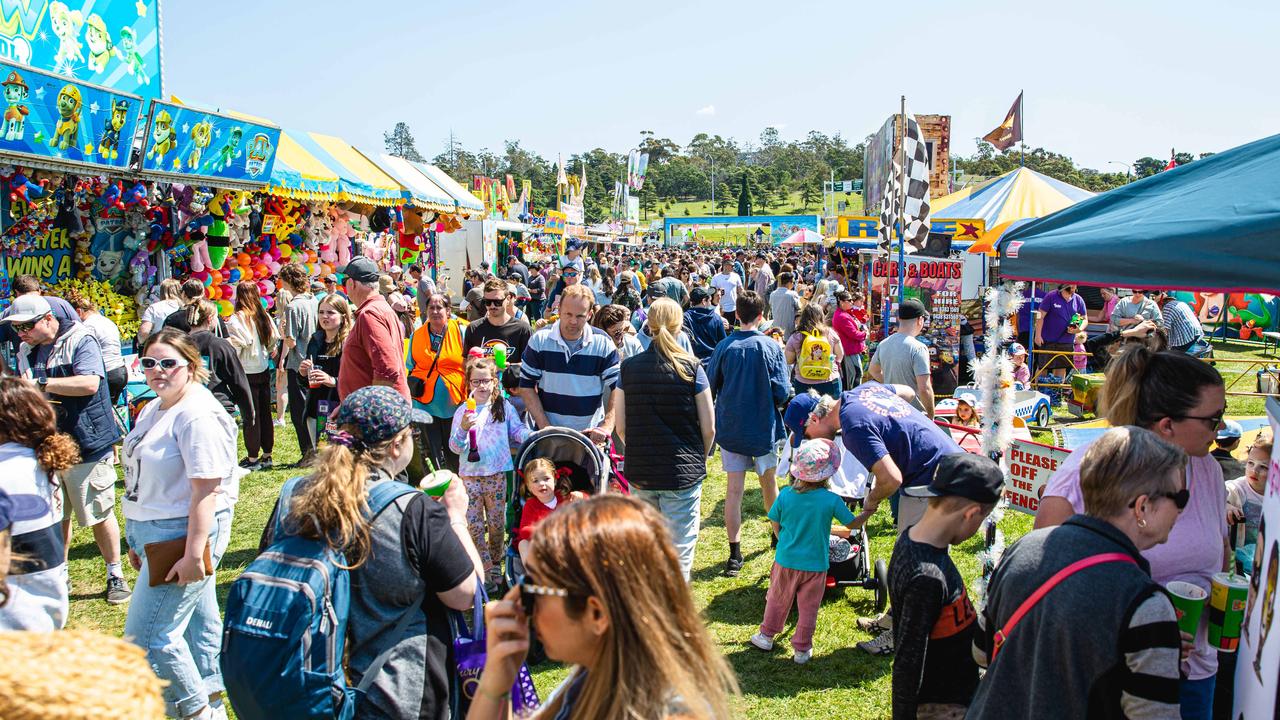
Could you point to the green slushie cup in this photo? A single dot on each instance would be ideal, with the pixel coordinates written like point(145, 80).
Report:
point(1188, 602)
point(436, 483)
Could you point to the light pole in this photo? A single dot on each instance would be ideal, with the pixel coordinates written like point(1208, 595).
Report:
point(1128, 169)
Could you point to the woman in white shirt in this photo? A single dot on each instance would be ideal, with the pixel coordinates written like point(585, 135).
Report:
point(181, 483)
point(167, 303)
point(253, 335)
point(32, 451)
point(108, 337)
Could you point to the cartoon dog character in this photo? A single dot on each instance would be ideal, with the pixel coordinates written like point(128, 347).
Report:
point(164, 136)
point(66, 24)
point(98, 38)
point(201, 136)
point(15, 115)
point(69, 103)
point(110, 264)
point(109, 145)
point(127, 52)
point(228, 153)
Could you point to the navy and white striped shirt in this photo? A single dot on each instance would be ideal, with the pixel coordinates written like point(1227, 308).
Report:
point(1181, 322)
point(571, 385)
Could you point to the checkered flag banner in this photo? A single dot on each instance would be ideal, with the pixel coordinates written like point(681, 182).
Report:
point(915, 224)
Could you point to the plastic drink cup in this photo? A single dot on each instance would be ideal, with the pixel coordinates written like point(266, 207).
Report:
point(500, 357)
point(471, 404)
point(1227, 598)
point(1188, 602)
point(436, 483)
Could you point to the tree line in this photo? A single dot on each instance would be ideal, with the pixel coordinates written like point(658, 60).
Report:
point(774, 173)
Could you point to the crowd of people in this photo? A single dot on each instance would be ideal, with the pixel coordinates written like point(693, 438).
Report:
point(661, 358)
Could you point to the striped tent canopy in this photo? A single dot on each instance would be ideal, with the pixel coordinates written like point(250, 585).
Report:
point(311, 166)
point(420, 190)
point(467, 203)
point(1016, 195)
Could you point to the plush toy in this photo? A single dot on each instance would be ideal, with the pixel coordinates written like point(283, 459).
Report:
point(142, 269)
point(111, 198)
point(340, 233)
point(22, 189)
point(136, 197)
point(220, 207)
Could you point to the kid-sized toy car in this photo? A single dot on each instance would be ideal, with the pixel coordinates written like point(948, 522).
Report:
point(1031, 405)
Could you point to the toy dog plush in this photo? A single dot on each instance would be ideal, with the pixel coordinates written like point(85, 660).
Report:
point(201, 136)
point(164, 136)
point(68, 126)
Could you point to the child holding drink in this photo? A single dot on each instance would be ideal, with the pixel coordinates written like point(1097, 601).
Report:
point(486, 430)
point(323, 360)
point(801, 518)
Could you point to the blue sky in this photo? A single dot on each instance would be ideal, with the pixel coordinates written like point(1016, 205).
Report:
point(1104, 80)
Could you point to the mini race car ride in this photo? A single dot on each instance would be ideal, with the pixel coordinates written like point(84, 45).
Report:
point(1032, 406)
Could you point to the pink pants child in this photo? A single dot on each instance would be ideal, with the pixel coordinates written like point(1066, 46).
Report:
point(805, 590)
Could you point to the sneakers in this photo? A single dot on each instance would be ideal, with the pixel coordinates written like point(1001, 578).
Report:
point(881, 645)
point(732, 567)
point(279, 422)
point(264, 463)
point(762, 641)
point(801, 658)
point(118, 592)
point(876, 625)
point(307, 460)
point(249, 464)
point(218, 711)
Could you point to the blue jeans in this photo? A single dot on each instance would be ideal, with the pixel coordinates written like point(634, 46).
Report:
point(683, 511)
point(1196, 698)
point(179, 625)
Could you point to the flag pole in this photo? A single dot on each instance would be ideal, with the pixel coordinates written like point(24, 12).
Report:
point(902, 208)
point(1022, 127)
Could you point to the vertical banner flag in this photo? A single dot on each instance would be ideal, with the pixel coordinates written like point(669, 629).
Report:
point(1009, 131)
point(910, 214)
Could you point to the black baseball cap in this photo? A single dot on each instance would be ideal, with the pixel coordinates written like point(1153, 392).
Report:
point(699, 294)
point(911, 309)
point(973, 477)
point(361, 269)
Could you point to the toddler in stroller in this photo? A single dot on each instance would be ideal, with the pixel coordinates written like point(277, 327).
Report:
point(544, 488)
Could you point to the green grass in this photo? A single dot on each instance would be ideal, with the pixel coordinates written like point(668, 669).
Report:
point(840, 681)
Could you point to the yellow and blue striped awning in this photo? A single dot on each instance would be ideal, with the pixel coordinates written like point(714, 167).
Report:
point(311, 166)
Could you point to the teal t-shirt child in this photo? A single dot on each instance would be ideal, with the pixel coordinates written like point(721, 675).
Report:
point(805, 520)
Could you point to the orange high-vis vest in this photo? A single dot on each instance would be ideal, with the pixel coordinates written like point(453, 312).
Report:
point(449, 368)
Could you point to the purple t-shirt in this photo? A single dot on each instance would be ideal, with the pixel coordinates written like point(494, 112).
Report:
point(1057, 316)
point(1193, 552)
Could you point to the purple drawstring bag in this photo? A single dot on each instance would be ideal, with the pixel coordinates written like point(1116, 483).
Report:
point(469, 654)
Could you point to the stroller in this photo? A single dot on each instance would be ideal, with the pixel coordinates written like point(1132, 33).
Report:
point(589, 473)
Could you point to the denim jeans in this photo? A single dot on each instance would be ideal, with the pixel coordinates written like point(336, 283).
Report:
point(1196, 698)
point(178, 625)
point(683, 511)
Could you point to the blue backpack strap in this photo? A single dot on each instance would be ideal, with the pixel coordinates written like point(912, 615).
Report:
point(282, 506)
point(382, 494)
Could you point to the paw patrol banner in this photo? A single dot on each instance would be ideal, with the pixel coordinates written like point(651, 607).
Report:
point(208, 147)
point(47, 117)
point(113, 43)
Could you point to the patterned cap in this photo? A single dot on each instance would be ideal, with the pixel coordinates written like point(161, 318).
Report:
point(815, 460)
point(376, 413)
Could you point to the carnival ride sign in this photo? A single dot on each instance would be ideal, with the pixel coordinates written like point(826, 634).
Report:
point(1030, 465)
point(48, 117)
point(199, 145)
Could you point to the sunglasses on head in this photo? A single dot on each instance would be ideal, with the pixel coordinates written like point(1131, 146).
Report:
point(150, 363)
point(530, 592)
point(1180, 498)
point(21, 327)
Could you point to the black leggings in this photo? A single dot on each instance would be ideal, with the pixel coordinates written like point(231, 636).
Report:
point(117, 379)
point(260, 435)
point(298, 388)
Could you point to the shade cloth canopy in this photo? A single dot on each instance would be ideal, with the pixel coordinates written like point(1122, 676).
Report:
point(420, 190)
point(466, 201)
point(1005, 199)
point(1213, 224)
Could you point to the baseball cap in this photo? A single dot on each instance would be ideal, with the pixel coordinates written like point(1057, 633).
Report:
point(1017, 349)
point(26, 308)
point(797, 415)
point(815, 460)
point(396, 269)
point(376, 413)
point(968, 397)
point(973, 477)
point(17, 508)
point(361, 269)
point(1230, 430)
point(911, 309)
point(699, 295)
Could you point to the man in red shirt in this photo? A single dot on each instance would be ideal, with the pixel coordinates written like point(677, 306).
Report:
point(374, 351)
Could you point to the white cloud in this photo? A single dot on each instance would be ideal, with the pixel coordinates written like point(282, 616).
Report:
point(708, 110)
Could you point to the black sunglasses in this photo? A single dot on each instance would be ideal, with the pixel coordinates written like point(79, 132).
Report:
point(1214, 422)
point(1180, 498)
point(21, 327)
point(490, 302)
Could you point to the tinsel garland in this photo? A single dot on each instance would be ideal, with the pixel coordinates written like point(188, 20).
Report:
point(994, 373)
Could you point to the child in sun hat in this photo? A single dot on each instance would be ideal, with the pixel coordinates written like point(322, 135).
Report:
point(802, 517)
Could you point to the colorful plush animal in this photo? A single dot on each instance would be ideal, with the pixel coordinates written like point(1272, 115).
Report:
point(69, 102)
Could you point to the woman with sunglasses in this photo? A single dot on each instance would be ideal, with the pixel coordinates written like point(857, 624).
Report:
point(638, 647)
point(1181, 400)
point(181, 482)
point(1103, 642)
point(409, 564)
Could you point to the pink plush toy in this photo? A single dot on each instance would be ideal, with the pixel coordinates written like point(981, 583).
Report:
point(340, 233)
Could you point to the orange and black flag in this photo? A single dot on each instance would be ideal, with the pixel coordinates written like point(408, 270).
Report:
point(1009, 131)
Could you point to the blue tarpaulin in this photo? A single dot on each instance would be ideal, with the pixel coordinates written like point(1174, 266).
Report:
point(1213, 224)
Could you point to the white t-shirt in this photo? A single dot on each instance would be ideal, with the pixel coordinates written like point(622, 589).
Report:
point(109, 338)
point(195, 438)
point(729, 284)
point(157, 311)
point(37, 600)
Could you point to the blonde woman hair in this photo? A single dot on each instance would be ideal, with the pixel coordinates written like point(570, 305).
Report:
point(200, 313)
point(331, 505)
point(656, 649)
point(179, 341)
point(343, 308)
point(170, 289)
point(665, 320)
point(1124, 463)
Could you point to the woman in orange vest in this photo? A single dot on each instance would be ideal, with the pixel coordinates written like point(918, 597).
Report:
point(436, 382)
